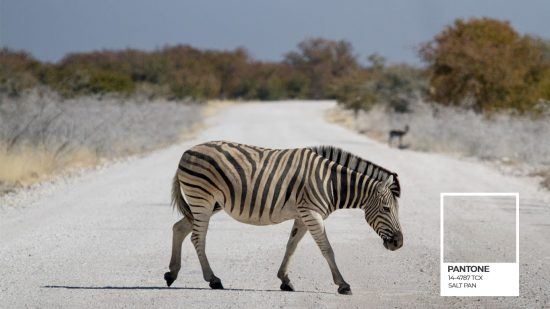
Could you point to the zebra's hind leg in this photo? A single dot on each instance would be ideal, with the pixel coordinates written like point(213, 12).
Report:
point(297, 233)
point(316, 226)
point(200, 227)
point(180, 230)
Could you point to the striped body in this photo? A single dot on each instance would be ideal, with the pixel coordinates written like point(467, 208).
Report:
point(267, 186)
point(253, 185)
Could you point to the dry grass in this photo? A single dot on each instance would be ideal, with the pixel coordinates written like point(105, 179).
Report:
point(519, 143)
point(214, 106)
point(41, 134)
point(30, 165)
point(342, 117)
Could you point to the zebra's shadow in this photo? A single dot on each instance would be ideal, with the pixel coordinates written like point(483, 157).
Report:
point(109, 287)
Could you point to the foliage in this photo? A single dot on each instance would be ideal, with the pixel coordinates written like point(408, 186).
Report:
point(355, 91)
point(18, 71)
point(394, 86)
point(486, 65)
point(483, 64)
point(173, 72)
point(323, 62)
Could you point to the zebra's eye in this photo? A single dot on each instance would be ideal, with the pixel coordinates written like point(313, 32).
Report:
point(386, 207)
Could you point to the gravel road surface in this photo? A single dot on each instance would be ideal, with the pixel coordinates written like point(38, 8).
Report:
point(103, 239)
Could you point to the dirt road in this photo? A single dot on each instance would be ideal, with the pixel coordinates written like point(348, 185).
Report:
point(103, 240)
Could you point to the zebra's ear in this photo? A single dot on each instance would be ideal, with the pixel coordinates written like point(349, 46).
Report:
point(389, 181)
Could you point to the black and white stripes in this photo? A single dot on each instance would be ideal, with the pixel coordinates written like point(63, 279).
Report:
point(267, 186)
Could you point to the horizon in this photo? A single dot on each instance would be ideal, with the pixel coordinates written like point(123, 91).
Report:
point(50, 30)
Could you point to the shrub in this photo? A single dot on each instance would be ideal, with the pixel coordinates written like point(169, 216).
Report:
point(103, 81)
point(41, 133)
point(322, 62)
point(452, 129)
point(355, 91)
point(481, 61)
point(484, 64)
point(393, 86)
point(17, 72)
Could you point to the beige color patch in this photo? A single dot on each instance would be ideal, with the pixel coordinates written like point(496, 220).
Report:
point(30, 165)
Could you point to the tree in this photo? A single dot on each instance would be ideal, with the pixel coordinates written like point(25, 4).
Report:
point(484, 64)
point(395, 86)
point(322, 62)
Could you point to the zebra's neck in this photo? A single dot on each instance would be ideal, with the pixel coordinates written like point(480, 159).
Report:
point(350, 188)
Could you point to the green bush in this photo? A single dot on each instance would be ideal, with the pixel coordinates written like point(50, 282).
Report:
point(102, 81)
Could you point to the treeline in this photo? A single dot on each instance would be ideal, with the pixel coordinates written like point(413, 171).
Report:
point(483, 64)
point(184, 72)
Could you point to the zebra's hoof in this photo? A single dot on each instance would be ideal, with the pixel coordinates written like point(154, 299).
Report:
point(216, 285)
point(169, 279)
point(287, 287)
point(344, 289)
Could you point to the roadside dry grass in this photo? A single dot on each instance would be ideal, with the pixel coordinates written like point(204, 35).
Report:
point(42, 135)
point(518, 145)
point(29, 165)
point(213, 106)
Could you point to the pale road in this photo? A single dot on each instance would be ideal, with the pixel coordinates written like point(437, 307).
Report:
point(103, 240)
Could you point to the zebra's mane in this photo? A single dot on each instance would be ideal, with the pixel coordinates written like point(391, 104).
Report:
point(359, 165)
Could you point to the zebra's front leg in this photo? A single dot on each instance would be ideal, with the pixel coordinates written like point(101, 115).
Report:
point(297, 233)
point(180, 230)
point(316, 226)
point(200, 227)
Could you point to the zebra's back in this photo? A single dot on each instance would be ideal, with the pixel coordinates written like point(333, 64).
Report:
point(253, 185)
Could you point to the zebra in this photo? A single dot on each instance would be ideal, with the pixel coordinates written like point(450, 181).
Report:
point(263, 186)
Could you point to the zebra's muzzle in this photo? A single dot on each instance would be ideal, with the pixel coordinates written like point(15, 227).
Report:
point(394, 242)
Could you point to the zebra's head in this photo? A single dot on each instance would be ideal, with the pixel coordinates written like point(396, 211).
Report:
point(381, 212)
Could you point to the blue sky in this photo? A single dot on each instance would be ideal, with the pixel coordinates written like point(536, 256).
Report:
point(393, 28)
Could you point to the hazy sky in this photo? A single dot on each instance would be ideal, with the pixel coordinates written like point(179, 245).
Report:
point(267, 28)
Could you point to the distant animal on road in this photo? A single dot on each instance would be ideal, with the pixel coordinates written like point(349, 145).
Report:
point(399, 135)
point(263, 186)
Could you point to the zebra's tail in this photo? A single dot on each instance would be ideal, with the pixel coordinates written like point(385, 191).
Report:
point(178, 201)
